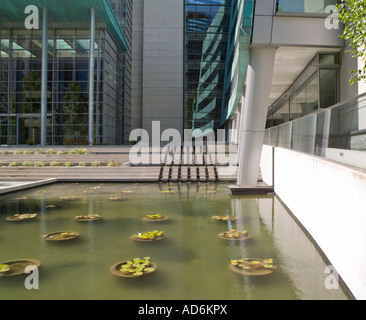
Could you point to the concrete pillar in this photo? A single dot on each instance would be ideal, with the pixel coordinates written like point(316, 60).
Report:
point(254, 113)
point(91, 76)
point(44, 78)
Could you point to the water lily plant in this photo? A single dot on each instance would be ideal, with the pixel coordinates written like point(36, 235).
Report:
point(150, 235)
point(25, 216)
point(116, 198)
point(137, 267)
point(154, 216)
point(4, 268)
point(67, 234)
point(89, 216)
point(224, 218)
point(69, 198)
point(253, 264)
point(235, 234)
point(167, 192)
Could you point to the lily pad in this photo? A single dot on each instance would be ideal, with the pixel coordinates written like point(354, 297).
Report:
point(4, 268)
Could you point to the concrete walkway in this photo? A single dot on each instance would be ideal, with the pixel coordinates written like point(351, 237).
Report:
point(174, 167)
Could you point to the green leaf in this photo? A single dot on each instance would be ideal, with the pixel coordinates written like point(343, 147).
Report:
point(4, 268)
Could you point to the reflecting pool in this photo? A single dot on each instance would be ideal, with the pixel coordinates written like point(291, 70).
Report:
point(192, 260)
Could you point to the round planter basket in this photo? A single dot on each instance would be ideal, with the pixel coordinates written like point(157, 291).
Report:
point(116, 198)
point(61, 236)
point(21, 217)
point(88, 218)
point(160, 219)
point(71, 198)
point(115, 270)
point(17, 267)
point(259, 270)
point(223, 218)
point(146, 240)
point(242, 237)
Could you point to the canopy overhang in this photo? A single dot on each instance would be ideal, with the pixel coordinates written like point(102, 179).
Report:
point(66, 11)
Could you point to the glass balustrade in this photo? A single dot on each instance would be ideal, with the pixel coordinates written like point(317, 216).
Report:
point(337, 133)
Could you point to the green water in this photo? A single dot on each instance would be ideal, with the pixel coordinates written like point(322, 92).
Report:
point(192, 261)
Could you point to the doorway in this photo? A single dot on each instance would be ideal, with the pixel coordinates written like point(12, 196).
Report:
point(29, 130)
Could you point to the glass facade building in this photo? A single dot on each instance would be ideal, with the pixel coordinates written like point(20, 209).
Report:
point(68, 84)
point(206, 43)
point(217, 39)
point(123, 9)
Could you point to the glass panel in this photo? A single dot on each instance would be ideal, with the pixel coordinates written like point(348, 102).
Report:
point(304, 6)
point(282, 115)
point(328, 59)
point(306, 100)
point(297, 103)
point(312, 92)
point(328, 87)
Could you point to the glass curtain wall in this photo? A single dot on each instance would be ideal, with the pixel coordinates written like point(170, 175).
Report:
point(206, 42)
point(67, 114)
point(123, 9)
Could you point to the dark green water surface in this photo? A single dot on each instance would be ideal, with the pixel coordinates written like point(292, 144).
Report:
point(193, 262)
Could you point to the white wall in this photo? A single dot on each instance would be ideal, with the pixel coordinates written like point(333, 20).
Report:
point(329, 200)
point(266, 165)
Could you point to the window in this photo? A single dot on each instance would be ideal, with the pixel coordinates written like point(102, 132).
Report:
point(304, 6)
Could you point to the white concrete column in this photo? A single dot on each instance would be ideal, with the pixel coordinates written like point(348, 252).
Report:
point(91, 76)
point(254, 113)
point(44, 80)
